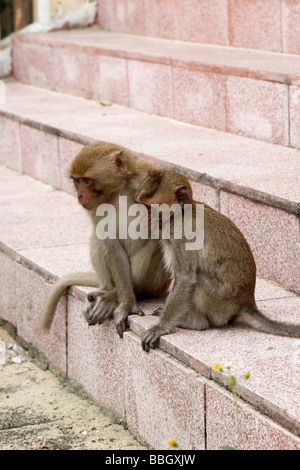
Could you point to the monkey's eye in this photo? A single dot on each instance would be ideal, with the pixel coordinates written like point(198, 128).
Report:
point(85, 180)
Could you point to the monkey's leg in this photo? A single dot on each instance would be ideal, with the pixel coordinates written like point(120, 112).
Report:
point(118, 263)
point(175, 309)
point(112, 267)
point(194, 320)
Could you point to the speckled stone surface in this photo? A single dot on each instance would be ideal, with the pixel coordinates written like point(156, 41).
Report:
point(34, 66)
point(11, 154)
point(30, 294)
point(96, 358)
point(36, 160)
point(157, 96)
point(200, 98)
point(258, 109)
point(241, 91)
point(295, 116)
point(110, 79)
point(272, 234)
point(222, 168)
point(233, 162)
point(164, 399)
point(257, 24)
point(7, 295)
point(272, 361)
point(252, 431)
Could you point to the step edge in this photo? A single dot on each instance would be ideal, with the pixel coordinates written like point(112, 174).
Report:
point(292, 207)
point(282, 77)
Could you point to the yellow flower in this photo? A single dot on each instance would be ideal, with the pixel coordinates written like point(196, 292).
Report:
point(172, 443)
point(247, 375)
point(216, 367)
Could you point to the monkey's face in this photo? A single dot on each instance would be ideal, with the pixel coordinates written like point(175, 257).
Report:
point(87, 194)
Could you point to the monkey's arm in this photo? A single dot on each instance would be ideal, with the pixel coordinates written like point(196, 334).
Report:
point(119, 266)
point(57, 290)
point(177, 305)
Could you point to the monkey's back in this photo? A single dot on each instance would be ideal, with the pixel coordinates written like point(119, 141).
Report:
point(226, 259)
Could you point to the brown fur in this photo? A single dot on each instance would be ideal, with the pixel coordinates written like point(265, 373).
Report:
point(124, 269)
point(214, 285)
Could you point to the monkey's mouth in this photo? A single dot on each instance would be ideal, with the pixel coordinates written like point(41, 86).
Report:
point(89, 205)
point(93, 202)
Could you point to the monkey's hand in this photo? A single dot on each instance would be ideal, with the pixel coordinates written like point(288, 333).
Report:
point(151, 337)
point(121, 317)
point(100, 305)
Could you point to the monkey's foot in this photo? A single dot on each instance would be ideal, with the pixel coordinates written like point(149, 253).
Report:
point(151, 337)
point(99, 305)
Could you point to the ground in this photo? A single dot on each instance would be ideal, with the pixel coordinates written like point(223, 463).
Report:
point(39, 410)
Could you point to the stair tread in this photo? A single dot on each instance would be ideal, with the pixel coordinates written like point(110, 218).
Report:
point(280, 67)
point(267, 172)
point(53, 249)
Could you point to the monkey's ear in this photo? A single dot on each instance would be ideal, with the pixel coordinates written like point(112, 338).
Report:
point(181, 195)
point(121, 162)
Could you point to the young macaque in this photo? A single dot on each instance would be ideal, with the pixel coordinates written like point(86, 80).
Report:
point(124, 268)
point(213, 285)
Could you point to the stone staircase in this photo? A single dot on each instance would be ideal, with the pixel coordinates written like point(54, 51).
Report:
point(208, 90)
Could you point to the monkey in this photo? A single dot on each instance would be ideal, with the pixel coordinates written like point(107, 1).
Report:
point(124, 269)
point(213, 286)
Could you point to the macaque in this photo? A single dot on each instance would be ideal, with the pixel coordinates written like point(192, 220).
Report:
point(214, 285)
point(125, 269)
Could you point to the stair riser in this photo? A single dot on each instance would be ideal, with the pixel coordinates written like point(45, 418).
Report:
point(270, 25)
point(276, 258)
point(23, 305)
point(259, 108)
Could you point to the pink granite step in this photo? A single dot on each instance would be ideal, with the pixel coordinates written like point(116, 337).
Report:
point(254, 183)
point(39, 241)
point(241, 91)
point(271, 25)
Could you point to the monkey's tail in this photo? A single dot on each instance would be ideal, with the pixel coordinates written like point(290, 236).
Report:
point(57, 290)
point(252, 317)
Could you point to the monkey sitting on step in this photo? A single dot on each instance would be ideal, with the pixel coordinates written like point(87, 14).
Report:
point(213, 285)
point(124, 268)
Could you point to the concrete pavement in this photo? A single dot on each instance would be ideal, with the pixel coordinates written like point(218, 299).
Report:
point(39, 410)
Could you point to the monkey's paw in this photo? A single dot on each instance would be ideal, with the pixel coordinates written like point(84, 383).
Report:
point(99, 305)
point(150, 338)
point(121, 315)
